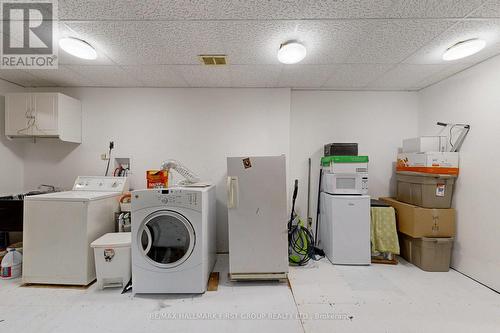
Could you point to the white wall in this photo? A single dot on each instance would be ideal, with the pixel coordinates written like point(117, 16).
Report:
point(199, 127)
point(378, 121)
point(11, 152)
point(473, 97)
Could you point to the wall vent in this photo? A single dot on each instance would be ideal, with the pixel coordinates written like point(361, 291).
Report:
point(213, 59)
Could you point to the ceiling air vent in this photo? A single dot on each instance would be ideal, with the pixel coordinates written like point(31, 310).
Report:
point(218, 59)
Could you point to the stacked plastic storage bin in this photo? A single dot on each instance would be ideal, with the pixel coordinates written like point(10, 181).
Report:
point(425, 176)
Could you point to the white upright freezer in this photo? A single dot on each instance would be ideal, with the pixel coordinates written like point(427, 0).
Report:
point(257, 217)
point(345, 228)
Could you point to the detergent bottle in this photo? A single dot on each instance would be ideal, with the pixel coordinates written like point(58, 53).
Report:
point(11, 264)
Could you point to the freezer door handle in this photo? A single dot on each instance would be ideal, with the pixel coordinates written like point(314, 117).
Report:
point(232, 192)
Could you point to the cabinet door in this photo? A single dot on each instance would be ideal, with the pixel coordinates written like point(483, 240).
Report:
point(17, 113)
point(45, 105)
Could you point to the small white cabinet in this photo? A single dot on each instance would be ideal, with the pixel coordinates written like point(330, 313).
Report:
point(43, 115)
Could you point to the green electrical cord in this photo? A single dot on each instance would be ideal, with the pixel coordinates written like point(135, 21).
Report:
point(300, 244)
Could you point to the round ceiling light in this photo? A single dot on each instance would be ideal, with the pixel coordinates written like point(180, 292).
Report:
point(291, 53)
point(77, 47)
point(464, 49)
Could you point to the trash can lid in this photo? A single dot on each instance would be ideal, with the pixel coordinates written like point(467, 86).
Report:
point(113, 239)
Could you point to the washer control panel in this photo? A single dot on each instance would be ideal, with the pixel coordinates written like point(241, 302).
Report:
point(101, 184)
point(179, 198)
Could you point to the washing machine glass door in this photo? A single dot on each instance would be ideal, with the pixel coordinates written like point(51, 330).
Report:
point(167, 238)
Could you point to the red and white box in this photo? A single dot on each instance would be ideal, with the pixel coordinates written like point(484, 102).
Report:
point(444, 163)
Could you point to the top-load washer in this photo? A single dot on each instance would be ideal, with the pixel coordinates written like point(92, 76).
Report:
point(173, 239)
point(59, 227)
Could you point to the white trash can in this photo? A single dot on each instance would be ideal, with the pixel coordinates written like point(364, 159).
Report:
point(113, 264)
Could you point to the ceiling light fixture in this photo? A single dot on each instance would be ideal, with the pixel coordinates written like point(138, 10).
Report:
point(464, 49)
point(78, 47)
point(291, 53)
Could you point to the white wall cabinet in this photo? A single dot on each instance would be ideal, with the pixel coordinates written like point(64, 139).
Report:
point(43, 115)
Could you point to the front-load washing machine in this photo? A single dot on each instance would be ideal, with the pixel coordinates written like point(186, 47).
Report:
point(173, 239)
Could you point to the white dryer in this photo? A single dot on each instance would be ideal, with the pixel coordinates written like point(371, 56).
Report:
point(173, 239)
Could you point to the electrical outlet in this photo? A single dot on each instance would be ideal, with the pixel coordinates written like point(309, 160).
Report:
point(104, 157)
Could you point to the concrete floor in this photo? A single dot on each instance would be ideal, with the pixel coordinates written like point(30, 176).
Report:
point(386, 298)
point(322, 298)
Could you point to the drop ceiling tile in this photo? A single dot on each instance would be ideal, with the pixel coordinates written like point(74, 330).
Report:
point(487, 29)
point(448, 70)
point(406, 77)
point(106, 76)
point(490, 9)
point(353, 76)
point(156, 75)
point(135, 10)
point(327, 42)
point(304, 76)
point(153, 42)
point(433, 8)
point(331, 42)
point(255, 75)
point(342, 54)
point(65, 58)
point(21, 77)
point(62, 77)
point(68, 59)
point(302, 9)
point(103, 10)
point(391, 41)
point(255, 9)
point(257, 42)
point(205, 76)
point(221, 9)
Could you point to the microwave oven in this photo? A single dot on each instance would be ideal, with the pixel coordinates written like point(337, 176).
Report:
point(345, 183)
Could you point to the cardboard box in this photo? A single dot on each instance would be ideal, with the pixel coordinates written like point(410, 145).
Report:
point(419, 222)
point(445, 163)
point(157, 178)
point(424, 144)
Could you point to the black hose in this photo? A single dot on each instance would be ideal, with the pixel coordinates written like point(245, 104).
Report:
point(294, 197)
point(318, 208)
point(300, 239)
point(111, 146)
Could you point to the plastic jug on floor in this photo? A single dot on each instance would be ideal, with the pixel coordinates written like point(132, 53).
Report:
point(11, 264)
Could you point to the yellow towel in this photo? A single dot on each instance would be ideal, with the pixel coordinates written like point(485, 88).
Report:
point(384, 236)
